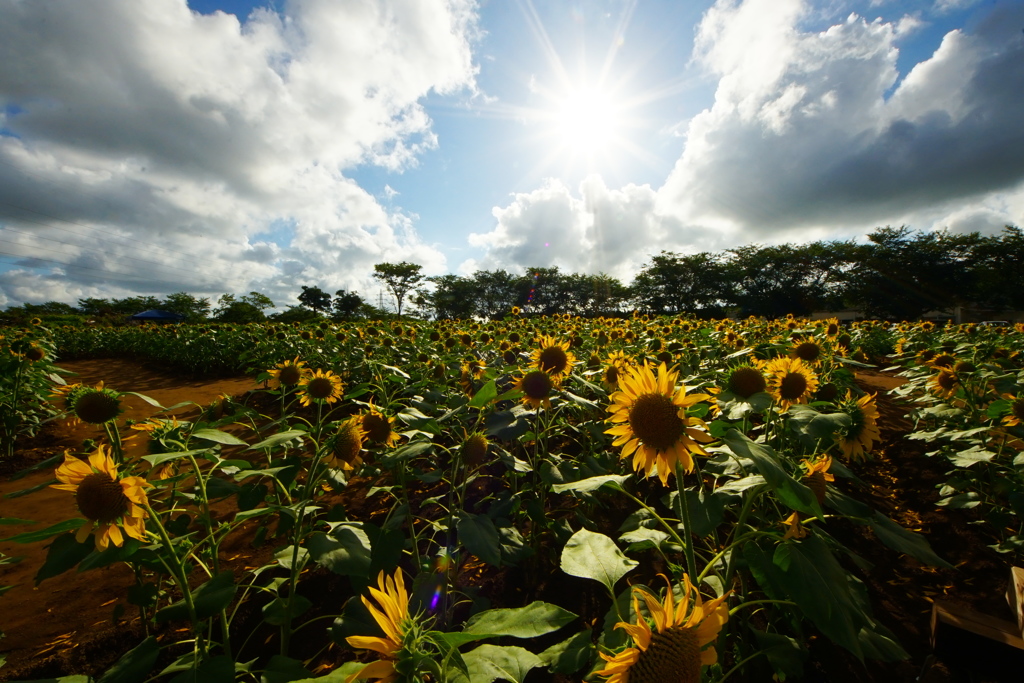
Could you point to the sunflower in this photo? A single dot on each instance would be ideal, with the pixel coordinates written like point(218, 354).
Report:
point(863, 431)
point(474, 449)
point(793, 527)
point(816, 476)
point(345, 445)
point(943, 360)
point(536, 386)
point(474, 367)
point(681, 645)
point(65, 395)
point(790, 381)
point(649, 414)
point(392, 614)
point(832, 328)
point(107, 501)
point(96, 405)
point(615, 363)
point(747, 380)
point(553, 357)
point(320, 387)
point(379, 428)
point(289, 373)
point(808, 351)
point(1016, 415)
point(943, 384)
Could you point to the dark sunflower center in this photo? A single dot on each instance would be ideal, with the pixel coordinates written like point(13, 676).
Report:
point(946, 380)
point(655, 421)
point(827, 392)
point(793, 386)
point(808, 351)
point(673, 655)
point(474, 449)
point(553, 359)
point(347, 443)
point(964, 366)
point(832, 330)
point(746, 382)
point(536, 385)
point(611, 374)
point(320, 388)
point(290, 374)
point(377, 427)
point(97, 407)
point(943, 360)
point(101, 499)
point(35, 354)
point(1017, 408)
point(816, 483)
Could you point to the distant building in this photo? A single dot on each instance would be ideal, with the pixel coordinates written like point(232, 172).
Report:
point(156, 316)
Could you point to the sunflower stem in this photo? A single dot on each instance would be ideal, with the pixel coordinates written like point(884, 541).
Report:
point(740, 664)
point(668, 527)
point(684, 508)
point(293, 583)
point(178, 572)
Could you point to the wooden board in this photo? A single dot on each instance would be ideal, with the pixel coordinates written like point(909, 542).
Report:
point(1015, 596)
point(972, 621)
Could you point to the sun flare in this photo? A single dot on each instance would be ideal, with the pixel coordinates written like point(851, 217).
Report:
point(587, 120)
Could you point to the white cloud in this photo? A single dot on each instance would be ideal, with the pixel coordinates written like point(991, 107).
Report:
point(181, 136)
point(806, 140)
point(600, 230)
point(952, 5)
point(801, 133)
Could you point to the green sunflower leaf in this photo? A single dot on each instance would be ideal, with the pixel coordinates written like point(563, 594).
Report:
point(590, 555)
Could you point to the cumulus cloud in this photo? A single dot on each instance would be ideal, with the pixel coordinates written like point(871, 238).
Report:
point(812, 135)
point(802, 132)
point(146, 147)
point(596, 230)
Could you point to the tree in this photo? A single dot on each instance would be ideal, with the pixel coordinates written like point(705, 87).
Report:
point(347, 304)
point(454, 297)
point(900, 275)
point(258, 300)
point(998, 267)
point(496, 292)
point(315, 299)
point(593, 295)
point(296, 314)
point(193, 308)
point(682, 283)
point(544, 291)
point(399, 278)
point(231, 310)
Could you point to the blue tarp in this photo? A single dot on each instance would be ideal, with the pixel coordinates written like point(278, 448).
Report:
point(155, 315)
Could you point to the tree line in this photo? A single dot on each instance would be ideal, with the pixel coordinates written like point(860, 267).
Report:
point(896, 274)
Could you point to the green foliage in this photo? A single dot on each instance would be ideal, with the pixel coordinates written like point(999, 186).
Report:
point(399, 278)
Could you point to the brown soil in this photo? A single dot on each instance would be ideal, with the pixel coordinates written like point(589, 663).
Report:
point(52, 629)
point(67, 625)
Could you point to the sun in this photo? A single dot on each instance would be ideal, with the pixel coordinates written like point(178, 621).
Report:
point(587, 120)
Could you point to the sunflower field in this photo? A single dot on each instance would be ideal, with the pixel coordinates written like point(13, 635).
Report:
point(547, 498)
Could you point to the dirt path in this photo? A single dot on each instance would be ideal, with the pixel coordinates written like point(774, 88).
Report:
point(49, 621)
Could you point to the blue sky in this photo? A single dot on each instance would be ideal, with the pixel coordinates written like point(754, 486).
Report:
point(227, 146)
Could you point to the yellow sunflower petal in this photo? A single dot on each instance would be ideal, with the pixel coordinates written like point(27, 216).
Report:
point(384, 646)
point(381, 669)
